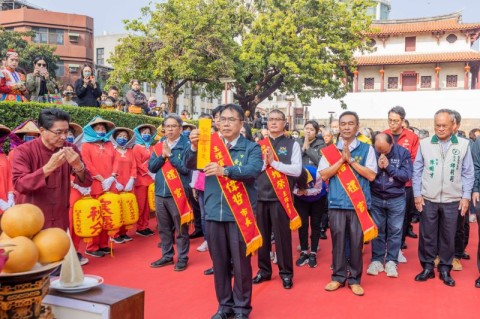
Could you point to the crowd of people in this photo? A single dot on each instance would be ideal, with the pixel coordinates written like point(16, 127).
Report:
point(257, 189)
point(38, 86)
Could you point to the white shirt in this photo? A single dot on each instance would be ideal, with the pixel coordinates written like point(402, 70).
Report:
point(294, 169)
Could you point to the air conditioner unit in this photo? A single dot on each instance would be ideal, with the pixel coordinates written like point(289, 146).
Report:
point(73, 37)
point(73, 68)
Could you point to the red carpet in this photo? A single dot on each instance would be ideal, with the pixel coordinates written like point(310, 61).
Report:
point(190, 294)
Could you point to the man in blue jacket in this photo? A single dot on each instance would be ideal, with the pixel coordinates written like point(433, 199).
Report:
point(168, 214)
point(226, 245)
point(388, 203)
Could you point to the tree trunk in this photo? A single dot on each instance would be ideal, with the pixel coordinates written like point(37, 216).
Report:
point(172, 102)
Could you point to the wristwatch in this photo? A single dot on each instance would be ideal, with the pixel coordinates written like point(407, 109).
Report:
point(225, 172)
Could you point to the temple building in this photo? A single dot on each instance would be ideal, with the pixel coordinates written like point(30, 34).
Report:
point(423, 64)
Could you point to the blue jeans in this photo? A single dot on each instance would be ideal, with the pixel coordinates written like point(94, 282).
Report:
point(388, 215)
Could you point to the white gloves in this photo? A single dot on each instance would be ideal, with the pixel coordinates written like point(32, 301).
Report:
point(83, 190)
point(11, 199)
point(4, 205)
point(129, 186)
point(152, 175)
point(118, 186)
point(107, 183)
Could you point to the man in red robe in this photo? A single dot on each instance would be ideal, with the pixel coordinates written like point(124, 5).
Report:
point(41, 169)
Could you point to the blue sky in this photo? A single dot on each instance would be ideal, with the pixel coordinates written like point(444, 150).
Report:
point(109, 14)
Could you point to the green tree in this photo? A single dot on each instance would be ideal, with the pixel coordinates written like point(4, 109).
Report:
point(301, 47)
point(177, 42)
point(27, 51)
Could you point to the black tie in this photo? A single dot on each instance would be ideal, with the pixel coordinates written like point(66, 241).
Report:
point(229, 146)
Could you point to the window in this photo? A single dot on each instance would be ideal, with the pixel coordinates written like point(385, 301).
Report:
point(451, 38)
point(60, 71)
point(369, 84)
point(100, 56)
point(48, 36)
point(410, 44)
point(426, 82)
point(452, 81)
point(393, 82)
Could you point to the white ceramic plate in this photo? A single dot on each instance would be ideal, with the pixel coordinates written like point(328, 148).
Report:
point(89, 282)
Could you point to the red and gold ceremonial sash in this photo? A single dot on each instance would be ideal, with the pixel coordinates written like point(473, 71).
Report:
point(237, 197)
point(281, 186)
point(352, 187)
point(174, 183)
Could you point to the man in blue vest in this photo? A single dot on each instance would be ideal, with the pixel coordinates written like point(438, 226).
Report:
point(342, 216)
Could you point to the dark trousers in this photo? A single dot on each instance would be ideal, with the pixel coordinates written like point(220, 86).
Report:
point(197, 214)
point(409, 212)
point(344, 222)
point(438, 224)
point(168, 219)
point(477, 211)
point(227, 249)
point(460, 235)
point(272, 217)
point(311, 214)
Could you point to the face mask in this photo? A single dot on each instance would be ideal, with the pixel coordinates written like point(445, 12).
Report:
point(108, 103)
point(70, 139)
point(186, 133)
point(146, 137)
point(152, 104)
point(295, 135)
point(121, 141)
point(101, 134)
point(27, 138)
point(87, 74)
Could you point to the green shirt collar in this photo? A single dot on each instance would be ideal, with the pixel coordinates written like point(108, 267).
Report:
point(453, 139)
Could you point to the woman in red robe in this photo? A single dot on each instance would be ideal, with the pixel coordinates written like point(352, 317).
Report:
point(6, 187)
point(98, 154)
point(12, 83)
point(144, 136)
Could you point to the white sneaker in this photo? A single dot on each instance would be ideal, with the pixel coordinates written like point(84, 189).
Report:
point(401, 257)
point(374, 268)
point(472, 218)
point(274, 258)
point(203, 247)
point(391, 269)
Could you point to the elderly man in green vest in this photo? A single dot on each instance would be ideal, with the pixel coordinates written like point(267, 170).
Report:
point(443, 177)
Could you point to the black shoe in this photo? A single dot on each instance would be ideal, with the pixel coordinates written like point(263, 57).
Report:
point(259, 279)
point(126, 238)
point(287, 283)
point(161, 262)
point(404, 246)
point(477, 283)
point(446, 278)
point(240, 316)
point(415, 219)
point(117, 240)
point(312, 260)
point(208, 272)
point(425, 275)
point(411, 234)
point(144, 233)
point(96, 253)
point(181, 265)
point(302, 260)
point(222, 315)
point(323, 234)
point(465, 256)
point(196, 234)
point(106, 250)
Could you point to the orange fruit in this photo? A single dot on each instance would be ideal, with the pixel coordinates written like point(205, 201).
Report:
point(22, 220)
point(52, 245)
point(22, 257)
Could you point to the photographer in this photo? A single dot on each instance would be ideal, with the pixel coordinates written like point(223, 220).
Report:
point(39, 83)
point(86, 88)
point(68, 96)
point(136, 100)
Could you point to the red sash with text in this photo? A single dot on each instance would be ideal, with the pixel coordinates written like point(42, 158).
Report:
point(350, 184)
point(175, 186)
point(237, 197)
point(281, 186)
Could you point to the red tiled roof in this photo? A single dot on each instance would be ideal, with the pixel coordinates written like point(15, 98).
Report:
point(443, 23)
point(409, 58)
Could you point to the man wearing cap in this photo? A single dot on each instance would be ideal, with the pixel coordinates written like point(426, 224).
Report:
point(41, 169)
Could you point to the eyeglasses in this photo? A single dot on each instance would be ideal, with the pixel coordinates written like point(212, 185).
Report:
point(41, 64)
point(228, 119)
point(275, 119)
point(394, 121)
point(59, 133)
point(171, 126)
